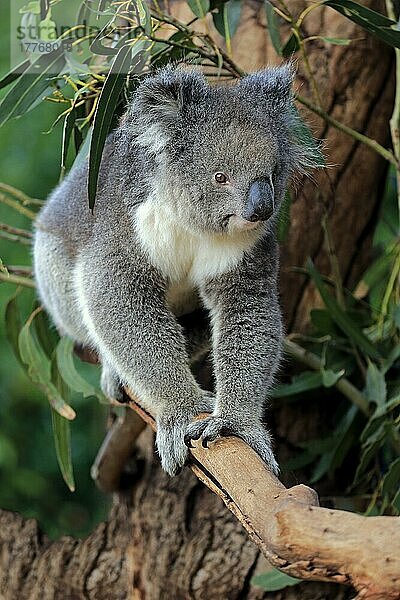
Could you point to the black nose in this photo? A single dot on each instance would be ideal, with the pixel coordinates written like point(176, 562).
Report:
point(260, 201)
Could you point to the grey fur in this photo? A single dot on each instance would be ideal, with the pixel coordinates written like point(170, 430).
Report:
point(103, 287)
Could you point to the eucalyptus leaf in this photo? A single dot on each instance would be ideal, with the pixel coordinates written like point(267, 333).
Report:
point(308, 380)
point(199, 7)
point(227, 19)
point(13, 325)
point(39, 368)
point(62, 442)
point(67, 369)
point(31, 85)
point(104, 114)
point(14, 74)
point(375, 389)
point(274, 580)
point(345, 323)
point(391, 481)
point(291, 46)
point(373, 22)
point(273, 28)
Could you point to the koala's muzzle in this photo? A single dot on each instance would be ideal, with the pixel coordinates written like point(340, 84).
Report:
point(260, 201)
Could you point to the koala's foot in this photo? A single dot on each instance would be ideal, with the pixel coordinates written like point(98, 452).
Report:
point(110, 385)
point(171, 432)
point(255, 435)
point(170, 443)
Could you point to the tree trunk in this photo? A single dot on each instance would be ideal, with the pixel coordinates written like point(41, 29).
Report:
point(172, 538)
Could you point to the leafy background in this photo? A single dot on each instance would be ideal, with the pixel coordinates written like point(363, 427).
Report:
point(351, 350)
point(30, 479)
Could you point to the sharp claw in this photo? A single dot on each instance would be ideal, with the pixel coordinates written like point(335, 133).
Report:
point(188, 441)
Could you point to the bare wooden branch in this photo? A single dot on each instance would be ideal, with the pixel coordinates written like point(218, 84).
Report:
point(294, 533)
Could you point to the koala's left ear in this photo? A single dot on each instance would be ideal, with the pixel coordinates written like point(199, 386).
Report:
point(160, 98)
point(269, 88)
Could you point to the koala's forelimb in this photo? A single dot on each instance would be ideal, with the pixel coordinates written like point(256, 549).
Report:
point(247, 334)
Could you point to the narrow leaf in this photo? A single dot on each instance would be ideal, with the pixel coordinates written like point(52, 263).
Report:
point(39, 369)
point(370, 20)
point(273, 28)
point(391, 481)
point(13, 325)
point(199, 7)
point(308, 380)
point(291, 46)
point(62, 442)
point(31, 85)
point(69, 123)
point(67, 370)
point(14, 74)
point(375, 388)
point(342, 320)
point(103, 117)
point(274, 580)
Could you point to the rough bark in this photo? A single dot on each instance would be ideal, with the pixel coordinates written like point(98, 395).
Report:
point(173, 538)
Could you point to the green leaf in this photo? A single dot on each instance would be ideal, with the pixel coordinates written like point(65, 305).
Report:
point(46, 333)
point(199, 7)
point(227, 19)
point(13, 325)
point(370, 450)
point(308, 380)
point(103, 117)
point(343, 439)
point(342, 320)
point(335, 41)
point(329, 377)
point(39, 369)
point(273, 28)
point(284, 217)
point(143, 14)
point(31, 85)
point(274, 580)
point(62, 442)
point(375, 388)
point(373, 22)
point(291, 46)
point(67, 369)
point(14, 74)
point(68, 127)
point(391, 481)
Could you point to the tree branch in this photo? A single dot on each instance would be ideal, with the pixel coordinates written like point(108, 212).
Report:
point(293, 532)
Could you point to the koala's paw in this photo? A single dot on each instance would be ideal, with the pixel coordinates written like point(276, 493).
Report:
point(170, 444)
point(255, 435)
point(110, 385)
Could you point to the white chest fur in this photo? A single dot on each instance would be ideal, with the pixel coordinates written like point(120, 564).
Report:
point(185, 258)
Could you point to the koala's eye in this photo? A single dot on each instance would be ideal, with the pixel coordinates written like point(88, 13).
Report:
point(220, 177)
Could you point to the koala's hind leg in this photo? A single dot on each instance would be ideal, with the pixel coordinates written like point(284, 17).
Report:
point(53, 268)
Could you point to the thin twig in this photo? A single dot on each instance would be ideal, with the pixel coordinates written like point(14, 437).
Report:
point(17, 206)
point(17, 280)
point(15, 231)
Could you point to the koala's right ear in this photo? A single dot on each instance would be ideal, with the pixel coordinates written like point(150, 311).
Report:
point(158, 103)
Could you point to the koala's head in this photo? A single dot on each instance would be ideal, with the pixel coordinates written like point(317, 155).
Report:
point(223, 152)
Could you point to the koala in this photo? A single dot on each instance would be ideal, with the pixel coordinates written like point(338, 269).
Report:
point(189, 189)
